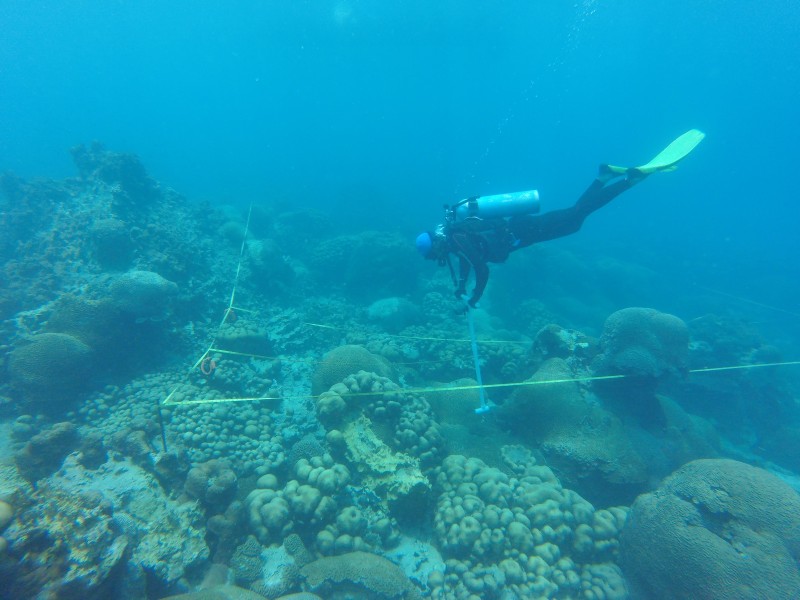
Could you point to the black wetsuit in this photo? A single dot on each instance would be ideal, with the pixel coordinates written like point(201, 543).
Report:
point(478, 242)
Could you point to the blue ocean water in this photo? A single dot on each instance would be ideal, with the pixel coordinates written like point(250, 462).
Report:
point(378, 113)
point(400, 107)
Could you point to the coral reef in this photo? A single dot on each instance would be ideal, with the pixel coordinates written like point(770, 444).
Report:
point(525, 535)
point(213, 483)
point(142, 293)
point(268, 265)
point(303, 505)
point(115, 168)
point(714, 529)
point(343, 361)
point(65, 545)
point(394, 314)
point(43, 454)
point(643, 342)
point(50, 366)
point(303, 478)
point(646, 347)
point(358, 264)
point(225, 592)
point(243, 431)
point(586, 443)
point(242, 335)
point(358, 575)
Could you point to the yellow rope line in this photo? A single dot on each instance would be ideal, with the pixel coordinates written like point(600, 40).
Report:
point(756, 366)
point(460, 388)
point(419, 390)
point(310, 361)
point(243, 310)
point(230, 304)
point(221, 400)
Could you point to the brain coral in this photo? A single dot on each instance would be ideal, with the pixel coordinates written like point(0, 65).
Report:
point(645, 346)
point(643, 342)
point(51, 364)
point(142, 293)
point(716, 529)
point(346, 360)
point(358, 575)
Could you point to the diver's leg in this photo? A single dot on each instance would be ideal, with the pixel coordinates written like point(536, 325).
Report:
point(530, 229)
point(603, 190)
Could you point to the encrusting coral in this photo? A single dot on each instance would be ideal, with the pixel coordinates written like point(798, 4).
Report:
point(358, 575)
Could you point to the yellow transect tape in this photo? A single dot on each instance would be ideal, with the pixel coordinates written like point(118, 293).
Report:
point(459, 388)
point(311, 361)
point(735, 367)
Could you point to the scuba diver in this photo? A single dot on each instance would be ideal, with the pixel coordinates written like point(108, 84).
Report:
point(486, 229)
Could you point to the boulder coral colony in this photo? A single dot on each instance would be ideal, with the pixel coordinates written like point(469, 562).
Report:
point(362, 470)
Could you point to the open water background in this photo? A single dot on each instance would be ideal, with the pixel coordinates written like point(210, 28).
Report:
point(380, 112)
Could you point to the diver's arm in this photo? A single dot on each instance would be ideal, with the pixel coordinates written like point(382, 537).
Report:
point(471, 257)
point(464, 267)
point(481, 279)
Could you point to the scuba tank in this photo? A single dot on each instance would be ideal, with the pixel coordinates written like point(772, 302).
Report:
point(497, 206)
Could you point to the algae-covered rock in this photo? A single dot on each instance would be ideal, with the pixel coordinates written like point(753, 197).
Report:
point(44, 452)
point(63, 545)
point(113, 246)
point(165, 538)
point(394, 476)
point(6, 514)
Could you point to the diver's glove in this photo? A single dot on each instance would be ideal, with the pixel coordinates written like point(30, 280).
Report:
point(465, 304)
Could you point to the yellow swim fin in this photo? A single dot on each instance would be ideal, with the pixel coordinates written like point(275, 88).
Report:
point(668, 158)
